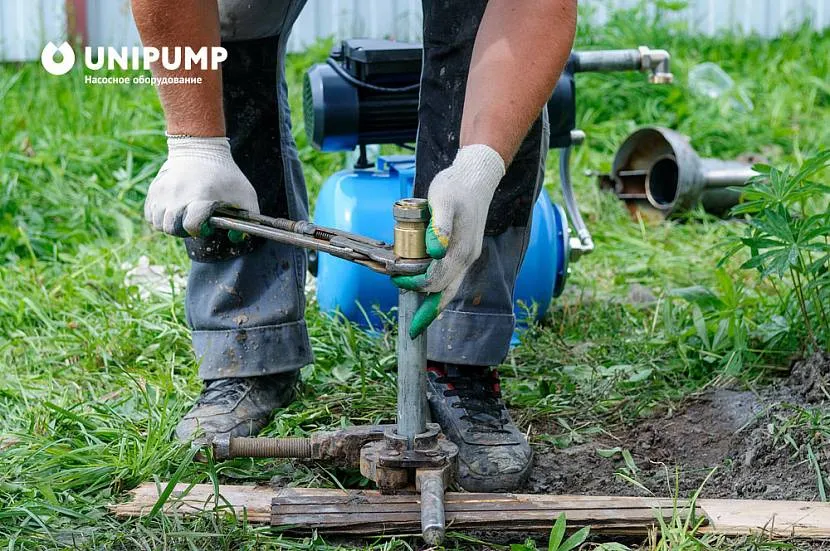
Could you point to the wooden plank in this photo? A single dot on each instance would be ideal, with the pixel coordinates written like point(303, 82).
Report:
point(525, 512)
point(364, 512)
point(310, 516)
point(788, 519)
point(469, 502)
point(253, 501)
point(323, 496)
point(415, 507)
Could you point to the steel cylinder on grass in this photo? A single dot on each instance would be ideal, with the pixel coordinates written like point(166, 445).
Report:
point(659, 165)
point(361, 201)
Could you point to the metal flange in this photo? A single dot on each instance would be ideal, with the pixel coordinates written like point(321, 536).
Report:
point(391, 464)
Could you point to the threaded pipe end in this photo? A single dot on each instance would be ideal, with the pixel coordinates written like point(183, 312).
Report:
point(299, 448)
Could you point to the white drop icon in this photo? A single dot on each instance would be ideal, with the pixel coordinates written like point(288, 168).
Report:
point(47, 58)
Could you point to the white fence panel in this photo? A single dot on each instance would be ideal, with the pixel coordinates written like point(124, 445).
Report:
point(396, 19)
point(111, 23)
point(27, 25)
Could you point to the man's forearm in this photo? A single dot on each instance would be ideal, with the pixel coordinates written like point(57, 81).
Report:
point(520, 51)
point(193, 109)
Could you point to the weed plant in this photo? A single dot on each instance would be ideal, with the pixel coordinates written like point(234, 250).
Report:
point(787, 238)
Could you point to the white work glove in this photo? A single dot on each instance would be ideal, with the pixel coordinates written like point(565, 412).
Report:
point(459, 199)
point(198, 176)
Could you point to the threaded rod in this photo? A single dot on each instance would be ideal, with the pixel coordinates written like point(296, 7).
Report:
point(299, 448)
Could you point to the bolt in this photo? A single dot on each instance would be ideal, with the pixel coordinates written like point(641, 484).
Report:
point(267, 447)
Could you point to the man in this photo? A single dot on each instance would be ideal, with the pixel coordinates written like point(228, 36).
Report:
point(489, 68)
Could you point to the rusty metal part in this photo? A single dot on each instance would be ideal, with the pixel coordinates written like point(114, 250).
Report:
point(386, 457)
point(372, 253)
point(428, 463)
point(390, 462)
point(411, 217)
point(341, 447)
point(225, 447)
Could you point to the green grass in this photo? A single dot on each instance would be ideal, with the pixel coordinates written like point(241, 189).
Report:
point(93, 377)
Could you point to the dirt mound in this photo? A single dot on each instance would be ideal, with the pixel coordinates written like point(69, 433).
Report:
point(809, 379)
point(751, 437)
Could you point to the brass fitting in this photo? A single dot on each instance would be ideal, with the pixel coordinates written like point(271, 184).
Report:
point(411, 218)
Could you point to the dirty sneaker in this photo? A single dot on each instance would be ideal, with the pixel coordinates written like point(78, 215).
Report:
point(236, 406)
point(493, 456)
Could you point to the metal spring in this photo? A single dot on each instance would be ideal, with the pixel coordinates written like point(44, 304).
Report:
point(270, 447)
point(282, 224)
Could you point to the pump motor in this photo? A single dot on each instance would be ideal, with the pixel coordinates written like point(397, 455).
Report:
point(366, 93)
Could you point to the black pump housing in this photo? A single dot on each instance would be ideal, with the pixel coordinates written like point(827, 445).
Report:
point(367, 93)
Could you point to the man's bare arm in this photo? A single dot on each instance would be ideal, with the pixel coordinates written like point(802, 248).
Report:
point(192, 109)
point(200, 173)
point(520, 51)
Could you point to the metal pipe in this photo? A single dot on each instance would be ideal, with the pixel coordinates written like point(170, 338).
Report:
point(658, 65)
point(718, 173)
point(607, 61)
point(412, 362)
point(411, 216)
point(664, 189)
point(432, 506)
point(654, 62)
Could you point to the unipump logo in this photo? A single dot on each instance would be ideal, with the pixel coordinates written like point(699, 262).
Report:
point(134, 58)
point(47, 58)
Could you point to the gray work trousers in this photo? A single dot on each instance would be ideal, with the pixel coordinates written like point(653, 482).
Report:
point(245, 302)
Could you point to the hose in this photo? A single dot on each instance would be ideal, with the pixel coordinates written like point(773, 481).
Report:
point(360, 84)
point(570, 201)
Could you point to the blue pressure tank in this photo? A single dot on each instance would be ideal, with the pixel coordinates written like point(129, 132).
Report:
point(360, 201)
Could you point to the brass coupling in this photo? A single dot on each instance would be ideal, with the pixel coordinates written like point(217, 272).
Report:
point(411, 219)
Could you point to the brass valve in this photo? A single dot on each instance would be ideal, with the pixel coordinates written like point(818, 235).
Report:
point(411, 219)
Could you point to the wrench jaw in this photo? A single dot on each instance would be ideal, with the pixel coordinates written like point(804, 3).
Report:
point(372, 253)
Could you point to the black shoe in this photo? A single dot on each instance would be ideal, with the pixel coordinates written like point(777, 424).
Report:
point(237, 406)
point(493, 456)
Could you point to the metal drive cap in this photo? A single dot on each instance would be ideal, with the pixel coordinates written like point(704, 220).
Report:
point(411, 210)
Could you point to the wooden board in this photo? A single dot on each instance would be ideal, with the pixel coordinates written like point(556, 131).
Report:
point(365, 512)
point(368, 512)
point(786, 519)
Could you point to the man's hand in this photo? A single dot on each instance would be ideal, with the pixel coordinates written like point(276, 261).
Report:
point(459, 199)
point(198, 176)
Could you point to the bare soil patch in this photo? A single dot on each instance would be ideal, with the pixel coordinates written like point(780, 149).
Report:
point(735, 431)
